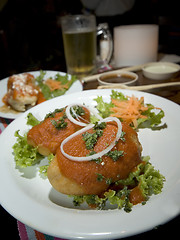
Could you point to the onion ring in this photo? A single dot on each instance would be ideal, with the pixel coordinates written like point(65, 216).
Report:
point(70, 117)
point(96, 155)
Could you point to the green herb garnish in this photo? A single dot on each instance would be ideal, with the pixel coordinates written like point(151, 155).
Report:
point(115, 155)
point(60, 123)
point(100, 177)
point(52, 114)
point(91, 138)
point(77, 111)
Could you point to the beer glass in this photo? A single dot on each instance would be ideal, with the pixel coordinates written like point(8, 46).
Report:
point(79, 39)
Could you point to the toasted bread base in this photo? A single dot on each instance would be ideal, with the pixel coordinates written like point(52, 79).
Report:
point(60, 182)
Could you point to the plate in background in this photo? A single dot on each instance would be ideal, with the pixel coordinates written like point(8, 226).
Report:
point(76, 87)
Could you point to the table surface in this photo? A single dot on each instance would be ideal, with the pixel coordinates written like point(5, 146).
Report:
point(171, 93)
point(169, 229)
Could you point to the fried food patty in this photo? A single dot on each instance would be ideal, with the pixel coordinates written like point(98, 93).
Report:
point(47, 136)
point(22, 91)
point(93, 177)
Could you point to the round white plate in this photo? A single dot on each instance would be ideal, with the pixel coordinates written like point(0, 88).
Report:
point(33, 201)
point(76, 87)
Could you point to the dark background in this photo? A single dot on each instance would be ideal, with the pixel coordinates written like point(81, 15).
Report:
point(30, 31)
point(30, 39)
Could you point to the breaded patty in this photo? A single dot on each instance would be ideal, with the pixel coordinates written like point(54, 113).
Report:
point(22, 91)
point(94, 177)
point(48, 135)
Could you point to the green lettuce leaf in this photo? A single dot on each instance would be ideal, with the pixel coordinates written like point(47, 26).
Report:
point(118, 198)
point(43, 169)
point(118, 95)
point(103, 107)
point(48, 94)
point(32, 120)
point(153, 120)
point(24, 154)
point(151, 181)
point(146, 177)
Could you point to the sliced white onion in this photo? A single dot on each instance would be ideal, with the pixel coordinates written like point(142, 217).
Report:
point(70, 117)
point(96, 155)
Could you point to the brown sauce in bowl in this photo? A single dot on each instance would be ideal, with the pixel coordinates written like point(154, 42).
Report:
point(117, 78)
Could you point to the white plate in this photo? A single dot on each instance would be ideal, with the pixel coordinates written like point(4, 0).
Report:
point(76, 87)
point(33, 201)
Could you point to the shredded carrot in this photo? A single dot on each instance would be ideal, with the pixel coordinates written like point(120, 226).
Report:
point(53, 85)
point(41, 98)
point(129, 110)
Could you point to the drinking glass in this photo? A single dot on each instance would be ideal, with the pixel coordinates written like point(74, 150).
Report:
point(80, 44)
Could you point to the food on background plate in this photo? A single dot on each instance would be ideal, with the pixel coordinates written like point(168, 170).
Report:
point(53, 87)
point(25, 91)
point(21, 92)
point(97, 163)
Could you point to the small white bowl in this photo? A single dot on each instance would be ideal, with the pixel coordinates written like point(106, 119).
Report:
point(160, 70)
point(119, 77)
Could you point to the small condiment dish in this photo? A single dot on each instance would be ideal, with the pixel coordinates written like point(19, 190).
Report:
point(160, 70)
point(120, 77)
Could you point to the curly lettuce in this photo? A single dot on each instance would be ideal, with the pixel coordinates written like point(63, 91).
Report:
point(43, 169)
point(32, 120)
point(24, 154)
point(153, 120)
point(146, 177)
point(48, 94)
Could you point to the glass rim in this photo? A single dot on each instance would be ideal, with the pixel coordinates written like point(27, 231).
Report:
point(77, 16)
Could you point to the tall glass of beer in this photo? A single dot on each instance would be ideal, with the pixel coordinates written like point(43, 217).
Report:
point(79, 39)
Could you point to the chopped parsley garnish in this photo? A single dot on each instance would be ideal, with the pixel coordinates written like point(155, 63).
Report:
point(101, 125)
point(115, 155)
point(52, 114)
point(122, 136)
point(100, 177)
point(97, 160)
point(108, 181)
point(60, 123)
point(77, 111)
point(91, 138)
